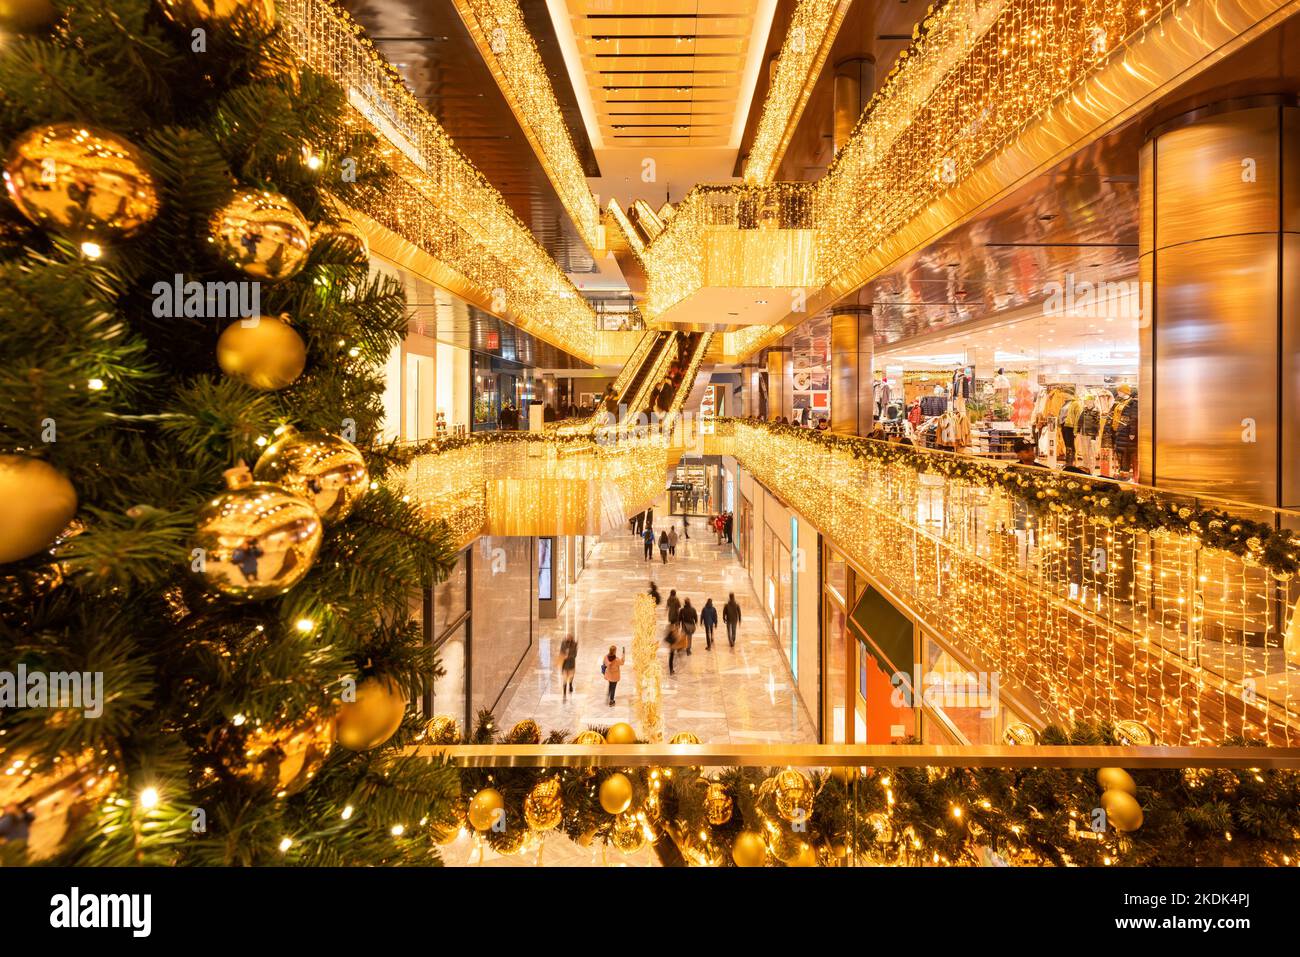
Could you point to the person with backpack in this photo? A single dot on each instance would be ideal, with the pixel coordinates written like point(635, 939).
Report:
point(648, 537)
point(709, 619)
point(731, 616)
point(672, 540)
point(611, 667)
point(663, 547)
point(688, 617)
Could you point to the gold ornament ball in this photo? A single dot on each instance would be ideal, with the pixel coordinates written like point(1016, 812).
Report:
point(485, 808)
point(807, 857)
point(525, 732)
point(589, 737)
point(23, 16)
point(442, 729)
point(38, 503)
point(1122, 810)
point(717, 804)
point(263, 352)
point(256, 540)
point(794, 795)
point(621, 733)
point(285, 759)
point(81, 181)
point(1116, 779)
point(1020, 735)
point(684, 737)
point(616, 793)
point(749, 850)
point(261, 233)
point(373, 717)
point(543, 807)
point(508, 842)
point(627, 835)
point(786, 846)
point(347, 235)
point(189, 13)
point(325, 469)
point(1135, 734)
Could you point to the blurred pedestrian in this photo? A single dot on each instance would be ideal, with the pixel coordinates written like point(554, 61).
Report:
point(731, 616)
point(709, 619)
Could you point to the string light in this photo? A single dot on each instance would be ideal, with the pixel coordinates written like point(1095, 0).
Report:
point(149, 798)
point(305, 625)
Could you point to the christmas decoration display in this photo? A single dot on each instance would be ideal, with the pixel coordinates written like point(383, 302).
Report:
point(1122, 810)
point(346, 234)
point(684, 737)
point(717, 804)
point(261, 233)
point(616, 793)
point(1135, 733)
point(793, 793)
point(627, 835)
point(525, 732)
point(263, 352)
point(649, 672)
point(1020, 735)
point(325, 469)
point(485, 809)
point(620, 733)
point(373, 716)
point(543, 808)
point(217, 12)
point(589, 737)
point(37, 503)
point(1116, 779)
point(255, 540)
point(749, 850)
point(81, 181)
point(442, 729)
point(286, 760)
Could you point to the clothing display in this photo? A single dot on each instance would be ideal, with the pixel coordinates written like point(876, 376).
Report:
point(961, 384)
point(933, 405)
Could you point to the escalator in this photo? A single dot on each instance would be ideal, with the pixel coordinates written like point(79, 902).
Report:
point(656, 381)
point(626, 395)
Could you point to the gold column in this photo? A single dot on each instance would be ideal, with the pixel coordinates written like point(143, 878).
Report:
point(775, 382)
point(855, 80)
point(852, 397)
point(1219, 245)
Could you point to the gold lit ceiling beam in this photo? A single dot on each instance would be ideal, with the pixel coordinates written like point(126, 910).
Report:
point(503, 39)
point(812, 33)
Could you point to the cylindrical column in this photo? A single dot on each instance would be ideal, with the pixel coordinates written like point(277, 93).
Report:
point(854, 80)
point(775, 382)
point(852, 352)
point(1219, 244)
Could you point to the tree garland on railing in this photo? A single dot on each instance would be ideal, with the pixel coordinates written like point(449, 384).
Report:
point(1106, 500)
point(874, 816)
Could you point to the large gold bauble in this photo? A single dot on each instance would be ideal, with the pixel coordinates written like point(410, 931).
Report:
point(325, 469)
point(616, 793)
point(23, 16)
point(1122, 810)
point(807, 857)
point(262, 352)
point(256, 540)
point(486, 807)
point(620, 733)
point(1020, 735)
point(1116, 779)
point(442, 729)
point(1135, 734)
point(189, 13)
point(543, 807)
point(749, 850)
point(684, 737)
point(347, 235)
point(589, 737)
point(81, 181)
point(794, 795)
point(261, 233)
point(627, 834)
point(717, 804)
point(788, 847)
point(374, 716)
point(36, 503)
point(285, 759)
point(525, 732)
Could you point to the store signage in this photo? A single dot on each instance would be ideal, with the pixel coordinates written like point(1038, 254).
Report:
point(494, 340)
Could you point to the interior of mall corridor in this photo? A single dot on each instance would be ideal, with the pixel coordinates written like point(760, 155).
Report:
point(379, 379)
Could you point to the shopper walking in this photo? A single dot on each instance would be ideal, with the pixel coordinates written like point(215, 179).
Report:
point(686, 528)
point(717, 527)
point(611, 667)
point(648, 537)
point(676, 639)
point(727, 524)
point(663, 547)
point(672, 541)
point(568, 664)
point(731, 616)
point(653, 592)
point(689, 618)
point(674, 607)
point(709, 619)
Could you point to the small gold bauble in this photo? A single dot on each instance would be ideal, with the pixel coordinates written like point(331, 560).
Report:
point(374, 716)
point(285, 759)
point(807, 857)
point(627, 834)
point(620, 733)
point(1020, 735)
point(1135, 734)
point(442, 729)
point(717, 804)
point(36, 503)
point(509, 841)
point(345, 234)
point(881, 829)
point(749, 850)
point(589, 737)
point(189, 13)
point(262, 352)
point(325, 469)
point(81, 181)
point(684, 737)
point(261, 233)
point(543, 807)
point(255, 540)
point(24, 16)
point(794, 795)
point(1116, 779)
point(525, 732)
point(616, 793)
point(787, 846)
point(1122, 810)
point(486, 808)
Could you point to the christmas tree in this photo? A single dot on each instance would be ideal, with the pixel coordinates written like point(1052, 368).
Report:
point(214, 660)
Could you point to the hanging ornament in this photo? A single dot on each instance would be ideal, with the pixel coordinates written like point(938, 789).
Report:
point(345, 234)
point(325, 469)
point(1135, 734)
point(255, 540)
point(749, 850)
point(525, 732)
point(684, 737)
point(374, 716)
point(285, 759)
point(81, 181)
point(261, 233)
point(794, 795)
point(1116, 779)
point(627, 835)
point(620, 733)
point(189, 13)
point(486, 807)
point(589, 737)
point(262, 352)
point(442, 729)
point(1122, 810)
point(24, 16)
point(789, 848)
point(1020, 735)
point(508, 842)
point(717, 804)
point(616, 793)
point(543, 807)
point(36, 503)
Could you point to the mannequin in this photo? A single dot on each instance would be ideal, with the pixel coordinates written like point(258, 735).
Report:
point(1001, 387)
